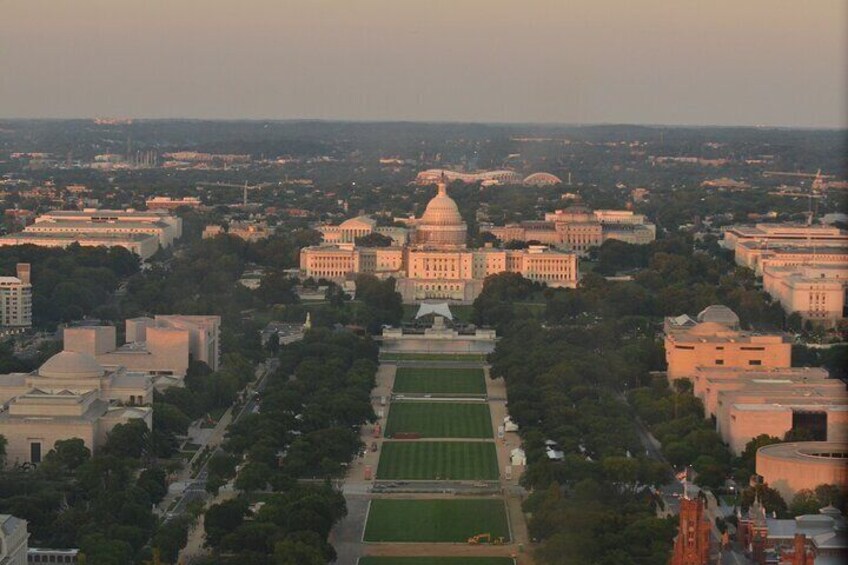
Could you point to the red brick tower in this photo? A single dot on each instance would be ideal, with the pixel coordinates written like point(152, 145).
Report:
point(692, 546)
point(799, 555)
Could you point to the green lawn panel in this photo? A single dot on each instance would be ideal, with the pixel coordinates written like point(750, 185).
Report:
point(435, 520)
point(440, 419)
point(438, 460)
point(436, 380)
point(436, 561)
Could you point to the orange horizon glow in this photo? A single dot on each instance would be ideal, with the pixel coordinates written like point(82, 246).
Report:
point(758, 62)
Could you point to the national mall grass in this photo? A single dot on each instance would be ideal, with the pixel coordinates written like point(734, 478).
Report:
point(396, 356)
point(435, 520)
point(437, 380)
point(436, 561)
point(438, 460)
point(440, 419)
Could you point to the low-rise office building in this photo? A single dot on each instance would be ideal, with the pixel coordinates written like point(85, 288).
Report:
point(165, 226)
point(757, 256)
point(710, 342)
point(816, 292)
point(143, 245)
point(819, 410)
point(168, 203)
point(747, 382)
point(160, 346)
point(785, 234)
point(709, 382)
point(804, 267)
point(142, 233)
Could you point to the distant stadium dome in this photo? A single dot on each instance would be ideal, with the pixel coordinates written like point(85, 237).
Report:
point(502, 176)
point(542, 179)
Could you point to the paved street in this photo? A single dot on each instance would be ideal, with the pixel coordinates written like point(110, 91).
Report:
point(187, 488)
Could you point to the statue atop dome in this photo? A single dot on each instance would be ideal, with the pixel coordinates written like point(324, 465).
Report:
point(442, 185)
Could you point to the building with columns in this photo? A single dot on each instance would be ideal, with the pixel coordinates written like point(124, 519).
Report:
point(803, 266)
point(437, 264)
point(579, 229)
point(142, 233)
point(816, 292)
point(70, 396)
point(361, 226)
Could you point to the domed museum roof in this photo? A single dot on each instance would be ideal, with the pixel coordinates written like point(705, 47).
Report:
point(71, 365)
point(720, 314)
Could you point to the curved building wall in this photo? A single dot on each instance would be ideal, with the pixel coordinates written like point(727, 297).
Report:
point(446, 235)
point(790, 467)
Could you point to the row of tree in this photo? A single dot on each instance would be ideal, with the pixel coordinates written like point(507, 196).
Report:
point(564, 384)
point(71, 283)
point(101, 504)
point(578, 366)
point(307, 428)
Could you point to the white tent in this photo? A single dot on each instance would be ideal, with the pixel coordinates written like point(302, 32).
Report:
point(439, 309)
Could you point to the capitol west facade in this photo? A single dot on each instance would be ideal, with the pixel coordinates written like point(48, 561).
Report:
point(436, 264)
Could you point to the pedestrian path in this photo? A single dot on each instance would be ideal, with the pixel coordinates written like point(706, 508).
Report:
point(433, 509)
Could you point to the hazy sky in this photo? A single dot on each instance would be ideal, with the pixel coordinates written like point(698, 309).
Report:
point(747, 62)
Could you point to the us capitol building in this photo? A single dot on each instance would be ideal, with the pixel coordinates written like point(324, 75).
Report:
point(434, 261)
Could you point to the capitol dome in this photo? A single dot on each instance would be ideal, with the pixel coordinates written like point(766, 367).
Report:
point(442, 210)
point(441, 223)
point(71, 365)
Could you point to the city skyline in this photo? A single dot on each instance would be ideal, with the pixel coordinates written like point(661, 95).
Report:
point(760, 63)
point(394, 282)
